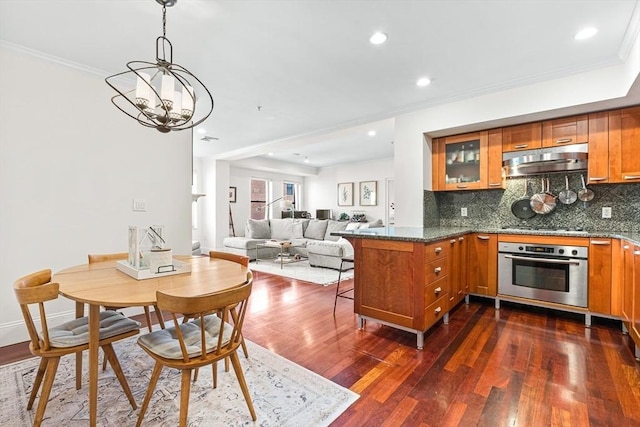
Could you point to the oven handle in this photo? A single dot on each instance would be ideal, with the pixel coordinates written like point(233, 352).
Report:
point(550, 261)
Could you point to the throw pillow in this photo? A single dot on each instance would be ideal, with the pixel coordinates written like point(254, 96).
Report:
point(281, 229)
point(332, 227)
point(316, 229)
point(258, 229)
point(376, 223)
point(352, 226)
point(297, 230)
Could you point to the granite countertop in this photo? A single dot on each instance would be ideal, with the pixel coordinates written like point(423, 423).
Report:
point(431, 234)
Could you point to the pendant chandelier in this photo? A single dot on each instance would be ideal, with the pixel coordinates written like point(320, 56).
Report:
point(166, 95)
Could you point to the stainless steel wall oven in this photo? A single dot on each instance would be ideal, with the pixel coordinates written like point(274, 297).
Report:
point(550, 273)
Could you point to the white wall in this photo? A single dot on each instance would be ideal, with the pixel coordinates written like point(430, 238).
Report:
point(70, 166)
point(322, 190)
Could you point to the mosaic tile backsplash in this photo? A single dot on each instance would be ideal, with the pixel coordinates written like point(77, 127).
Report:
point(492, 208)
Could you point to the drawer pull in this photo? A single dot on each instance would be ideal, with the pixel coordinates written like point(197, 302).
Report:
point(465, 185)
point(599, 178)
point(600, 242)
point(461, 239)
point(625, 247)
point(521, 146)
point(631, 177)
point(483, 237)
point(563, 141)
point(437, 290)
point(437, 310)
point(495, 184)
point(437, 269)
point(636, 252)
point(452, 241)
point(438, 249)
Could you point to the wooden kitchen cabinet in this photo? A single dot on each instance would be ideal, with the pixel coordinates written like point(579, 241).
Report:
point(624, 134)
point(483, 264)
point(635, 324)
point(565, 131)
point(627, 284)
point(470, 161)
point(598, 167)
point(600, 258)
point(458, 281)
point(522, 137)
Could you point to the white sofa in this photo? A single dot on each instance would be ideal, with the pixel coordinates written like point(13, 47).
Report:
point(317, 243)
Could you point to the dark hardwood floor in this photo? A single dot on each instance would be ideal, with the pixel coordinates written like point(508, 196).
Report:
point(518, 366)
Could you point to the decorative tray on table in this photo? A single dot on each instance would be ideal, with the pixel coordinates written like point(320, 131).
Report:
point(177, 267)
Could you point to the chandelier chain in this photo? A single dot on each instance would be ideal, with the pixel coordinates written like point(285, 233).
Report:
point(164, 20)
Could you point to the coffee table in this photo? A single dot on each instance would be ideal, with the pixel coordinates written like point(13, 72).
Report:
point(284, 253)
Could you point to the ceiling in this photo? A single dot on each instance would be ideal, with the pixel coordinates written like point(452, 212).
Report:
point(300, 78)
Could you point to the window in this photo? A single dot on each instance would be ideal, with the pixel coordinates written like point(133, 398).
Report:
point(291, 192)
point(259, 198)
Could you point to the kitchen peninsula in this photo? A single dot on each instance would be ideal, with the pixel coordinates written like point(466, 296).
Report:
point(410, 277)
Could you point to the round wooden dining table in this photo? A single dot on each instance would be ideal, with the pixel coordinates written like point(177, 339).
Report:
point(102, 284)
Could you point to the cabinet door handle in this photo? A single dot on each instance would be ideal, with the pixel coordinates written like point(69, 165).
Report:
point(631, 177)
point(563, 141)
point(483, 237)
point(437, 290)
point(452, 241)
point(495, 184)
point(599, 178)
point(520, 146)
point(437, 310)
point(465, 185)
point(461, 239)
point(437, 269)
point(625, 247)
point(636, 252)
point(438, 249)
point(600, 242)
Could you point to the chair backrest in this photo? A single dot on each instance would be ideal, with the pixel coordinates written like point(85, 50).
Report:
point(107, 257)
point(36, 288)
point(240, 259)
point(230, 305)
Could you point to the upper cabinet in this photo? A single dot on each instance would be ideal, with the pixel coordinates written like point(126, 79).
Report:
point(522, 137)
point(565, 131)
point(462, 161)
point(598, 171)
point(624, 141)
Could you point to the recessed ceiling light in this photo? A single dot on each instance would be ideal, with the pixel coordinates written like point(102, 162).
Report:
point(423, 81)
point(378, 38)
point(306, 160)
point(270, 153)
point(585, 33)
point(372, 133)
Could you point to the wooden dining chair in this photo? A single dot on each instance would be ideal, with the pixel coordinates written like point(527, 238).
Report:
point(200, 342)
point(69, 338)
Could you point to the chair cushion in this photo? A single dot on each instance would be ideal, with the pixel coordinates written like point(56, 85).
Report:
point(165, 342)
point(258, 229)
point(76, 332)
point(316, 229)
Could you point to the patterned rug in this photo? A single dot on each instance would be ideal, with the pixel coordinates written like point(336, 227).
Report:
point(301, 271)
point(284, 394)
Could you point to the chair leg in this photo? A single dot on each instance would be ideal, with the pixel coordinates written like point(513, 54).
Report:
point(235, 361)
point(110, 355)
point(104, 362)
point(50, 374)
point(195, 375)
point(147, 315)
point(335, 301)
point(244, 347)
point(157, 369)
point(78, 370)
point(159, 316)
point(214, 370)
point(37, 382)
point(184, 396)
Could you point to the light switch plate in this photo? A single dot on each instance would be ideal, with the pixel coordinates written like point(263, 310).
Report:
point(606, 212)
point(139, 205)
point(463, 211)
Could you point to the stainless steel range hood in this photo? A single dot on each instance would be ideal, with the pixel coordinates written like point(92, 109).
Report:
point(546, 160)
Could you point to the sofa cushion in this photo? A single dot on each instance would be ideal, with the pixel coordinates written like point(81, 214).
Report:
point(352, 226)
point(281, 229)
point(340, 248)
point(316, 229)
point(297, 231)
point(258, 229)
point(333, 226)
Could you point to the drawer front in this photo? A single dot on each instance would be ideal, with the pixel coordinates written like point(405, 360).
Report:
point(436, 250)
point(435, 290)
point(435, 270)
point(436, 310)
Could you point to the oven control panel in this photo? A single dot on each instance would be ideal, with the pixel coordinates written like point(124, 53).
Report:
point(544, 250)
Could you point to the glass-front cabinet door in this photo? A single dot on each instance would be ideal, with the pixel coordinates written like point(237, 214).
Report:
point(463, 162)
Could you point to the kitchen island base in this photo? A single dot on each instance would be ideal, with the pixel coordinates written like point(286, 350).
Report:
point(362, 320)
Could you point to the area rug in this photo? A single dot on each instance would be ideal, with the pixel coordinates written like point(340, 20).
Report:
point(301, 271)
point(284, 393)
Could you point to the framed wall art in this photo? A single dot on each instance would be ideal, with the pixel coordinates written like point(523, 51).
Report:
point(345, 194)
point(232, 194)
point(368, 193)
